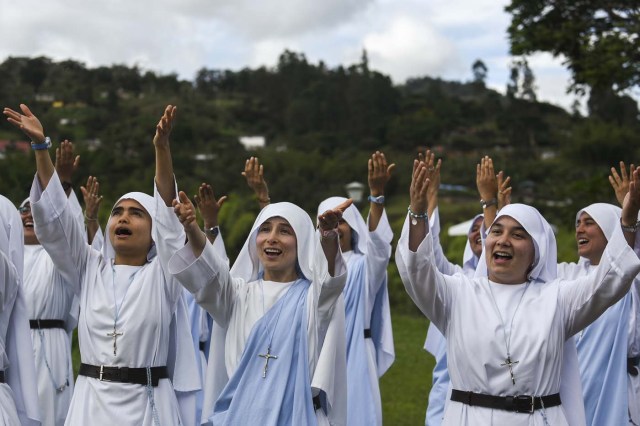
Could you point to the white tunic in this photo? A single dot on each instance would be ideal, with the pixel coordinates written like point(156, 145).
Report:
point(145, 314)
point(8, 291)
point(48, 297)
point(548, 315)
point(239, 304)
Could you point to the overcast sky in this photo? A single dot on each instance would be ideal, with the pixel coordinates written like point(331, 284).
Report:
point(403, 38)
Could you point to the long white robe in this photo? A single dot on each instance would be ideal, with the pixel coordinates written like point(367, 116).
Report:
point(547, 316)
point(8, 290)
point(145, 316)
point(48, 297)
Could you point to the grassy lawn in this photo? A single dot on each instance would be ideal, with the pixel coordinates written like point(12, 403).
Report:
point(405, 387)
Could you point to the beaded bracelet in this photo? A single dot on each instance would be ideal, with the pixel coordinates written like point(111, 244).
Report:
point(416, 216)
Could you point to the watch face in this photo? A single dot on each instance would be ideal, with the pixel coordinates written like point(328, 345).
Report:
point(213, 231)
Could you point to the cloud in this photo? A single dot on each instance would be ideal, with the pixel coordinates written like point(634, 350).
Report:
point(409, 48)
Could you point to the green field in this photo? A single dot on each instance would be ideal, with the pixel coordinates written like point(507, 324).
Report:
point(405, 387)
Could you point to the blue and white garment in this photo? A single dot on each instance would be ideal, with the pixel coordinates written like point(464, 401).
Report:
point(603, 346)
point(367, 307)
point(238, 298)
point(272, 391)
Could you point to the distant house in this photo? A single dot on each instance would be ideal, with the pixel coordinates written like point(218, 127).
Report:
point(12, 145)
point(252, 142)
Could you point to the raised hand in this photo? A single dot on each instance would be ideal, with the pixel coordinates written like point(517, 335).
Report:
point(27, 122)
point(419, 188)
point(620, 182)
point(486, 180)
point(379, 173)
point(254, 174)
point(66, 164)
point(328, 221)
point(208, 206)
point(186, 213)
point(504, 190)
point(164, 126)
point(433, 174)
point(92, 198)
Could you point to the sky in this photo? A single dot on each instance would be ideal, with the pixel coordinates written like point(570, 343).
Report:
point(403, 38)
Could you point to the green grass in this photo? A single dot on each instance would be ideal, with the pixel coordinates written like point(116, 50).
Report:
point(405, 387)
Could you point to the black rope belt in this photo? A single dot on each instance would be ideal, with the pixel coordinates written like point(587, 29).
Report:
point(123, 374)
point(632, 366)
point(46, 323)
point(367, 333)
point(517, 403)
point(202, 346)
point(1, 376)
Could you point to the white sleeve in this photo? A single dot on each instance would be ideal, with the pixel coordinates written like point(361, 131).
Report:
point(430, 290)
point(169, 237)
point(59, 232)
point(441, 261)
point(378, 254)
point(585, 299)
point(9, 284)
point(208, 279)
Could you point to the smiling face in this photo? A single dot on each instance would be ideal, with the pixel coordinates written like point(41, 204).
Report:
point(30, 237)
point(590, 238)
point(130, 232)
point(475, 240)
point(277, 246)
point(509, 251)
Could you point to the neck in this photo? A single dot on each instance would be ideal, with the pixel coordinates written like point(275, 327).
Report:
point(131, 260)
point(280, 276)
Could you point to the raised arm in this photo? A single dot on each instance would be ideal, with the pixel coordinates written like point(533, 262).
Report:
point(379, 173)
point(209, 208)
point(504, 190)
point(588, 298)
point(186, 213)
point(164, 165)
point(92, 200)
point(31, 126)
point(418, 205)
point(254, 174)
point(487, 184)
point(66, 164)
point(630, 208)
point(620, 182)
point(328, 226)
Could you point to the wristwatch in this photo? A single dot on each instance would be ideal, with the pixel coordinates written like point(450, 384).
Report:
point(488, 203)
point(213, 231)
point(629, 228)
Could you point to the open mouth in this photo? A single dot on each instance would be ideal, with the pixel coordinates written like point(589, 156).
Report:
point(501, 256)
point(28, 224)
point(272, 252)
point(582, 241)
point(122, 232)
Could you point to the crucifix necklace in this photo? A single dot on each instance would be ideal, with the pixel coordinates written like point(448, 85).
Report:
point(116, 309)
point(268, 355)
point(507, 339)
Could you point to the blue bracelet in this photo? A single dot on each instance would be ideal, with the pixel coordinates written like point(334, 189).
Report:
point(41, 146)
point(378, 200)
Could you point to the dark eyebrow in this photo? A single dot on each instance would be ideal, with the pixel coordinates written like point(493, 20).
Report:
point(135, 209)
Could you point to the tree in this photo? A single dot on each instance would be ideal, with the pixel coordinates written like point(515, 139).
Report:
point(599, 40)
point(480, 71)
point(521, 81)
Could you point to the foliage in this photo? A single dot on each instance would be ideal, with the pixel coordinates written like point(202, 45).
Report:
point(599, 40)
